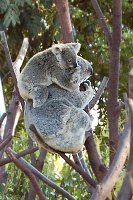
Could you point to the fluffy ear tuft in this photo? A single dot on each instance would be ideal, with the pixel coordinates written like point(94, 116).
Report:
point(57, 52)
point(76, 46)
point(56, 49)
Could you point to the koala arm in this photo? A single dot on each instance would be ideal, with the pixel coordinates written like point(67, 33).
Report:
point(84, 97)
point(39, 94)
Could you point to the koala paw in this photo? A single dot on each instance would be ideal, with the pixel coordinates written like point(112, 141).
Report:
point(87, 85)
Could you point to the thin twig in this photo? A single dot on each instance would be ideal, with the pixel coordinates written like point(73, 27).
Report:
point(2, 118)
point(85, 176)
point(102, 21)
point(5, 141)
point(84, 165)
point(99, 92)
point(32, 155)
point(28, 173)
point(77, 160)
point(38, 163)
point(4, 161)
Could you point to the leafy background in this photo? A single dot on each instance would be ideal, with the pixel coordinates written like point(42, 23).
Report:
point(38, 20)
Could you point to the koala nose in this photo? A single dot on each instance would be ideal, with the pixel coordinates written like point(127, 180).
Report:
point(75, 65)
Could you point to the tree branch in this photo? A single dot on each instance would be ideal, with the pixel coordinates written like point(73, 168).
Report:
point(12, 118)
point(126, 191)
point(65, 21)
point(6, 141)
point(4, 161)
point(71, 163)
point(38, 163)
point(113, 108)
point(2, 118)
point(14, 108)
point(102, 21)
point(21, 56)
point(84, 165)
point(96, 163)
point(28, 173)
point(105, 187)
point(10, 64)
point(77, 160)
point(45, 179)
point(85, 176)
point(99, 92)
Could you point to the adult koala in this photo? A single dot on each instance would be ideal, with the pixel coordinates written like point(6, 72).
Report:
point(61, 122)
point(53, 65)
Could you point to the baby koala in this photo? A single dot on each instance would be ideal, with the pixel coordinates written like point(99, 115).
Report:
point(60, 121)
point(53, 65)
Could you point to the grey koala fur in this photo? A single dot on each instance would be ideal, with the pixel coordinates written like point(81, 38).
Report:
point(56, 64)
point(60, 121)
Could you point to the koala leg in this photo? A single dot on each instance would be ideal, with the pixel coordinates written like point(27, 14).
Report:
point(85, 96)
point(40, 95)
point(31, 129)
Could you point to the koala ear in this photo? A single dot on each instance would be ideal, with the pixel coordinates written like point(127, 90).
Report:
point(56, 49)
point(57, 52)
point(76, 46)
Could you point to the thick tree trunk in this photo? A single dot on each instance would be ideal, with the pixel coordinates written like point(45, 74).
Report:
point(113, 105)
point(65, 21)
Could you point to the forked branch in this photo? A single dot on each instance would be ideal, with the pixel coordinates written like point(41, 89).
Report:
point(44, 178)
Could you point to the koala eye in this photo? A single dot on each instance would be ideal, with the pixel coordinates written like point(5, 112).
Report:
point(70, 60)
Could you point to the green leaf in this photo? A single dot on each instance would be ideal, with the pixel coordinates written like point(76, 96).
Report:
point(3, 5)
point(12, 15)
point(23, 2)
point(47, 3)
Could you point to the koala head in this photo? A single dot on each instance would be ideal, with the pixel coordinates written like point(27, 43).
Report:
point(66, 54)
point(72, 69)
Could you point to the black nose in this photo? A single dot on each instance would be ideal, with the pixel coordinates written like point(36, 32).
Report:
point(75, 65)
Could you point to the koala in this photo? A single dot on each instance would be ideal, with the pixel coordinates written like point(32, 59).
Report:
point(61, 122)
point(56, 64)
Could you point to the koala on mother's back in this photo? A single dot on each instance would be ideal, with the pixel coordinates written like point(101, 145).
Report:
point(60, 121)
point(53, 65)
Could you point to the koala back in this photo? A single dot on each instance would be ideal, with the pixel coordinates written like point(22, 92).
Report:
point(63, 129)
